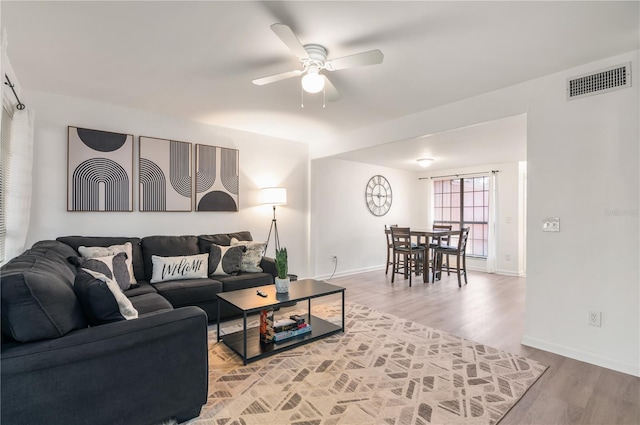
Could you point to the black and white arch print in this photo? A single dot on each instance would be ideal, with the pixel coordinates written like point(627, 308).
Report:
point(217, 178)
point(100, 169)
point(165, 175)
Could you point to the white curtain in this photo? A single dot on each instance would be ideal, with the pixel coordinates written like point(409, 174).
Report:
point(492, 260)
point(17, 196)
point(430, 209)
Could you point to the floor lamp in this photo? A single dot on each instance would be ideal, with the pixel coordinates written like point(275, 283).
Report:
point(273, 196)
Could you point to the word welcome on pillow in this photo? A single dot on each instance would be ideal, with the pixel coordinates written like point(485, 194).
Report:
point(114, 267)
point(177, 268)
point(225, 260)
point(101, 251)
point(252, 256)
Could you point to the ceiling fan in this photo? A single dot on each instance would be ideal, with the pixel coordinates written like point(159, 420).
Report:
point(313, 58)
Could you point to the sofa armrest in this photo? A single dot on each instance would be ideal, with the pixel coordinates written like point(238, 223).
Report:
point(131, 372)
point(268, 265)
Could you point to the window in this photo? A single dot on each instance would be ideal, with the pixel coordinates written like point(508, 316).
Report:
point(461, 203)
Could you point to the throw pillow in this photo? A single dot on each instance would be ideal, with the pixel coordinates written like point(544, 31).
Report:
point(225, 260)
point(252, 255)
point(101, 298)
point(177, 268)
point(100, 251)
point(113, 266)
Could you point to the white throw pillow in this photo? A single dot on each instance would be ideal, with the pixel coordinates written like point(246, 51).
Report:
point(101, 251)
point(252, 255)
point(177, 268)
point(127, 309)
point(112, 266)
point(225, 260)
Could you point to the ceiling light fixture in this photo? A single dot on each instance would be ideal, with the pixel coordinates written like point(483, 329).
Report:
point(424, 162)
point(312, 82)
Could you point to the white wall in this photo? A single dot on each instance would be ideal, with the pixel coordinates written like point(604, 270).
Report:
point(509, 236)
point(583, 163)
point(264, 161)
point(341, 223)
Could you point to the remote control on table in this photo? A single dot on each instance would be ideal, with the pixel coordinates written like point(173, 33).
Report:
point(262, 294)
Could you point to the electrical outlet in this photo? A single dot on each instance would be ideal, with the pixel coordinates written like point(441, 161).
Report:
point(595, 318)
point(551, 224)
point(507, 257)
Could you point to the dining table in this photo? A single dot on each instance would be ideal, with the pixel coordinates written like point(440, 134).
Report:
point(434, 234)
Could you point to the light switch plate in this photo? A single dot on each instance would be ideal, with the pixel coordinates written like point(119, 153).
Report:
point(551, 224)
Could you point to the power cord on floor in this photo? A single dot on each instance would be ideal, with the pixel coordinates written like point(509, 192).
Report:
point(335, 267)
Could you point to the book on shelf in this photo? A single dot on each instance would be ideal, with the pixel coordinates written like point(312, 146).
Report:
point(266, 326)
point(279, 336)
point(288, 324)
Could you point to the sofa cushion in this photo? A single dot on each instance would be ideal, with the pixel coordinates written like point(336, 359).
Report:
point(225, 260)
point(101, 298)
point(166, 246)
point(181, 293)
point(37, 297)
point(224, 239)
point(53, 250)
point(150, 303)
point(244, 281)
point(114, 267)
point(140, 288)
point(252, 255)
point(101, 251)
point(76, 242)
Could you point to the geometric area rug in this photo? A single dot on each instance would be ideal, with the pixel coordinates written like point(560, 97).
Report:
point(381, 370)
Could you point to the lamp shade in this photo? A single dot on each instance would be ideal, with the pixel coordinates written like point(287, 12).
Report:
point(273, 196)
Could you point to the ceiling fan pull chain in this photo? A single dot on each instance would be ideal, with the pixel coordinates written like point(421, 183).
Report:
point(324, 97)
point(301, 97)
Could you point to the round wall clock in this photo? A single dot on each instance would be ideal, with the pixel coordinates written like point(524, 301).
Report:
point(378, 195)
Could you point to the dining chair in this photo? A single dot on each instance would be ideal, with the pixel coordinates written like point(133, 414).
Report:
point(387, 233)
point(437, 241)
point(461, 256)
point(406, 256)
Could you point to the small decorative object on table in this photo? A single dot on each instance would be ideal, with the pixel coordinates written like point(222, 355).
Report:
point(282, 280)
point(266, 326)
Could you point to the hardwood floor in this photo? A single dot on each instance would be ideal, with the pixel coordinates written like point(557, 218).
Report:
point(490, 310)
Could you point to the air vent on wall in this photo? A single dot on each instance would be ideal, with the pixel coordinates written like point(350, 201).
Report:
point(606, 80)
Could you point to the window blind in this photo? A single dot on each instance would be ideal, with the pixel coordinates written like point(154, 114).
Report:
point(5, 166)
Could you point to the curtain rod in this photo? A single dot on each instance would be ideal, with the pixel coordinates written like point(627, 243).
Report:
point(20, 105)
point(458, 175)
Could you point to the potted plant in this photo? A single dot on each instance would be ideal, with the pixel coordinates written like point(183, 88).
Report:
point(282, 280)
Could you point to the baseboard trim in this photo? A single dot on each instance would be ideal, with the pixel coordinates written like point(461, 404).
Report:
point(584, 356)
point(349, 272)
point(374, 268)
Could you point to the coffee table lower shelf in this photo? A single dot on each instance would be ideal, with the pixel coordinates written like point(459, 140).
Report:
point(257, 350)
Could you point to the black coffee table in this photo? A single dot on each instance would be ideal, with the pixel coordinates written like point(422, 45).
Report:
point(247, 341)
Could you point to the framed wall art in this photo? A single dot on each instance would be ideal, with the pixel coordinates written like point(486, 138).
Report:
point(165, 175)
point(99, 170)
point(217, 178)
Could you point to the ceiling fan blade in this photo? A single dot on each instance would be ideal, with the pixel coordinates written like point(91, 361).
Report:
point(372, 57)
point(277, 77)
point(290, 40)
point(330, 91)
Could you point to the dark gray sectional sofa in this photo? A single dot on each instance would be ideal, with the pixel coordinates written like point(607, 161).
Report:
point(57, 369)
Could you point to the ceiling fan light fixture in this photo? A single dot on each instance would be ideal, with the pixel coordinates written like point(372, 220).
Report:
point(424, 162)
point(312, 82)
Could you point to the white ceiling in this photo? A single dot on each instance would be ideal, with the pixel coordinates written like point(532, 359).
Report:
point(196, 60)
point(494, 142)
